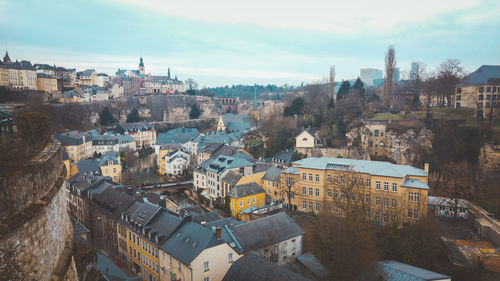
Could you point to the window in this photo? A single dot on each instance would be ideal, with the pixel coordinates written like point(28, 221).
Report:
point(410, 196)
point(317, 192)
point(377, 217)
point(458, 105)
point(395, 187)
point(368, 183)
point(459, 90)
point(310, 205)
point(310, 191)
point(479, 105)
point(367, 198)
point(329, 193)
point(310, 177)
point(360, 181)
point(248, 201)
point(317, 206)
point(377, 185)
point(386, 186)
point(487, 105)
point(336, 179)
point(386, 202)
point(494, 89)
point(254, 200)
point(342, 195)
point(415, 214)
point(488, 89)
point(370, 143)
point(410, 213)
point(241, 203)
point(417, 197)
point(317, 178)
point(304, 191)
point(206, 278)
point(481, 97)
point(206, 266)
point(335, 194)
point(304, 205)
point(384, 218)
point(368, 214)
point(394, 203)
point(329, 178)
point(459, 97)
point(376, 133)
point(481, 89)
point(377, 201)
point(230, 257)
point(303, 176)
point(488, 97)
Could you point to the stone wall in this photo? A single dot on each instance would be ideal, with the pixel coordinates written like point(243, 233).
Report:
point(31, 182)
point(41, 231)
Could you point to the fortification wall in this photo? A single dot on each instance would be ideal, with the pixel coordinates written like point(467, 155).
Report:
point(37, 235)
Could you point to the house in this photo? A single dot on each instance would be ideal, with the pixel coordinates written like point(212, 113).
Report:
point(108, 165)
point(254, 268)
point(306, 141)
point(234, 123)
point(103, 143)
point(47, 83)
point(276, 238)
point(177, 136)
point(86, 77)
point(445, 207)
point(271, 183)
point(393, 270)
point(175, 162)
point(217, 169)
point(204, 139)
point(143, 133)
point(200, 175)
point(480, 91)
point(77, 144)
point(389, 193)
point(282, 158)
point(215, 149)
point(246, 196)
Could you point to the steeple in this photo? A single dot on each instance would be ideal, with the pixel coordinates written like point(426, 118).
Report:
point(255, 97)
point(169, 73)
point(6, 58)
point(141, 67)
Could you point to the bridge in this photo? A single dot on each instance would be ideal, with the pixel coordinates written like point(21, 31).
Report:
point(167, 186)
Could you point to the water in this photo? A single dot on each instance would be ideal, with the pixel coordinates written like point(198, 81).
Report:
point(143, 170)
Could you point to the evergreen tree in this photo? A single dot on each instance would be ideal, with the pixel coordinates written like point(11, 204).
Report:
point(344, 89)
point(195, 111)
point(359, 87)
point(106, 117)
point(133, 116)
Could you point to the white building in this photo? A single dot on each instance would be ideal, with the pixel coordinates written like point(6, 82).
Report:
point(367, 75)
point(218, 167)
point(102, 80)
point(176, 162)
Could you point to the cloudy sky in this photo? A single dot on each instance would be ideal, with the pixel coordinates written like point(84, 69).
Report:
point(221, 42)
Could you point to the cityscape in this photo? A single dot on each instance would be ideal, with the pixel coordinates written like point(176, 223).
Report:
point(171, 141)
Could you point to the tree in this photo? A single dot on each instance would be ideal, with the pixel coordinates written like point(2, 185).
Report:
point(192, 86)
point(343, 90)
point(33, 128)
point(457, 185)
point(390, 66)
point(297, 107)
point(450, 72)
point(106, 117)
point(195, 111)
point(288, 189)
point(133, 116)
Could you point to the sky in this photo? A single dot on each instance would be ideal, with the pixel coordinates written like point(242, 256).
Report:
point(226, 42)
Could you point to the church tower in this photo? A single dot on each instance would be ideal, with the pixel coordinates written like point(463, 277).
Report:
point(6, 58)
point(141, 67)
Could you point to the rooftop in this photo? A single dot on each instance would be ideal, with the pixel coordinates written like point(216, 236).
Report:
point(244, 190)
point(486, 74)
point(393, 270)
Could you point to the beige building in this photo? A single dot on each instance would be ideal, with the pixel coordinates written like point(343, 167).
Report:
point(77, 144)
point(4, 75)
point(47, 83)
point(143, 133)
point(306, 142)
point(385, 192)
point(480, 91)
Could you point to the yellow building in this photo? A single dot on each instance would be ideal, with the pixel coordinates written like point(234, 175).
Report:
point(244, 196)
point(78, 145)
point(271, 183)
point(383, 191)
point(4, 75)
point(46, 83)
point(162, 151)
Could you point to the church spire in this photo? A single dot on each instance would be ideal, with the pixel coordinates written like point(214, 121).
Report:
point(6, 58)
point(169, 73)
point(141, 67)
point(255, 97)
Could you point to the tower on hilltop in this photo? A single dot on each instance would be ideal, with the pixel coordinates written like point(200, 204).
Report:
point(141, 67)
point(6, 58)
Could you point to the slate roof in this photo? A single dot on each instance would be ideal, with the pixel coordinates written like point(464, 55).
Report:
point(232, 177)
point(43, 75)
point(73, 138)
point(217, 136)
point(202, 167)
point(222, 163)
point(312, 264)
point(414, 183)
point(88, 166)
point(83, 181)
point(253, 268)
point(205, 217)
point(376, 168)
point(191, 211)
point(395, 271)
point(178, 135)
point(266, 231)
point(163, 225)
point(260, 167)
point(244, 190)
point(482, 75)
point(113, 201)
point(87, 72)
point(273, 174)
point(144, 213)
point(134, 127)
point(189, 241)
point(283, 157)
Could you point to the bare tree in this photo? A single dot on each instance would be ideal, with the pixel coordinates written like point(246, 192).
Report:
point(450, 72)
point(390, 66)
point(191, 85)
point(287, 190)
point(332, 83)
point(456, 185)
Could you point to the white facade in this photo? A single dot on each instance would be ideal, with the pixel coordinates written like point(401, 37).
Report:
point(199, 180)
point(305, 140)
point(102, 80)
point(282, 252)
point(177, 163)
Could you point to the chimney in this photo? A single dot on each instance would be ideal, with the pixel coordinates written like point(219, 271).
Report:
point(426, 168)
point(218, 232)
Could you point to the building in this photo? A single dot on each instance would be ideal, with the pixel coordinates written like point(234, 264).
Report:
point(229, 104)
point(445, 207)
point(175, 162)
point(4, 75)
point(307, 141)
point(480, 91)
point(143, 133)
point(254, 268)
point(234, 123)
point(368, 75)
point(385, 192)
point(246, 196)
point(218, 167)
point(177, 136)
point(108, 165)
point(215, 149)
point(276, 238)
point(77, 144)
point(86, 77)
point(47, 83)
point(271, 183)
point(393, 270)
point(103, 143)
